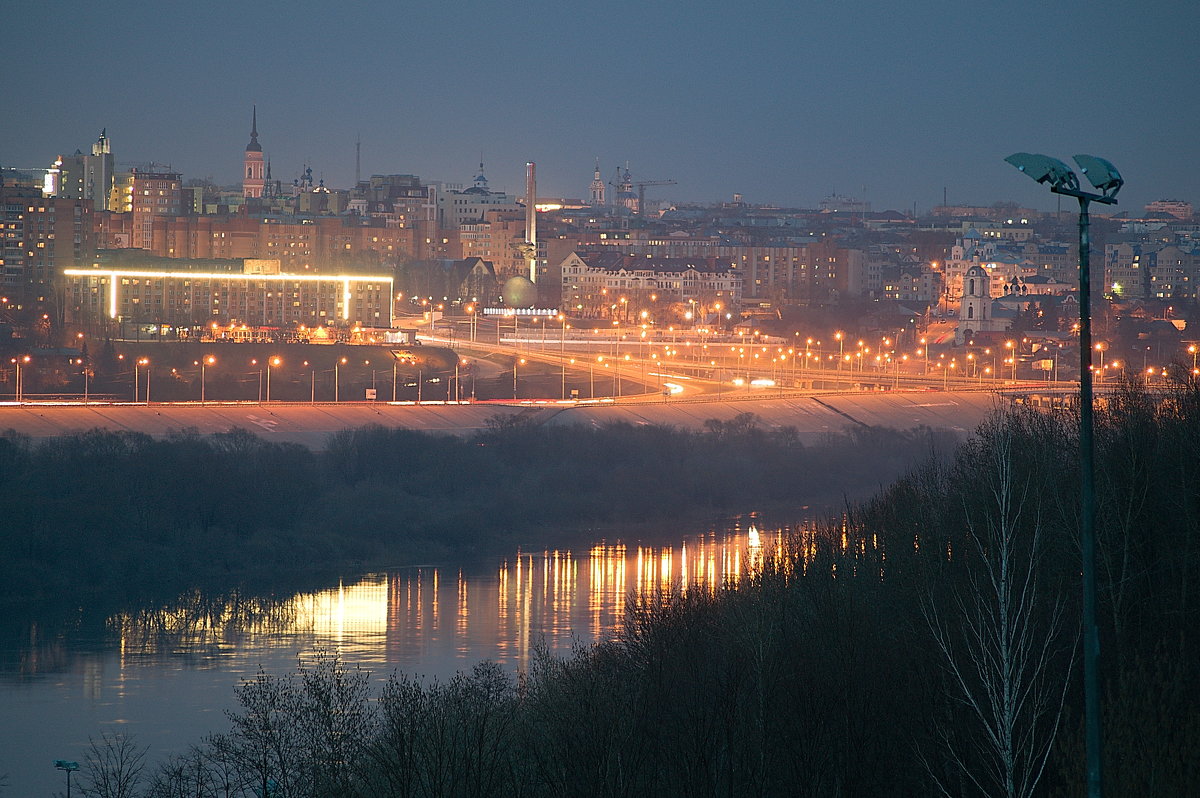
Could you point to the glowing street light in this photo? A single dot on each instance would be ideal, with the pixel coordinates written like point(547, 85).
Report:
point(18, 391)
point(275, 361)
point(254, 362)
point(207, 360)
point(144, 362)
point(516, 362)
point(1105, 177)
point(337, 364)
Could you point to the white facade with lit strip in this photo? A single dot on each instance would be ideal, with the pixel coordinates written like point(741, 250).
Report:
point(254, 296)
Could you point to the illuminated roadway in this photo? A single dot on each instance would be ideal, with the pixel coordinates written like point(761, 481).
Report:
point(814, 401)
point(311, 424)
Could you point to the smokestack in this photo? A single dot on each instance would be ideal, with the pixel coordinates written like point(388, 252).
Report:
point(531, 217)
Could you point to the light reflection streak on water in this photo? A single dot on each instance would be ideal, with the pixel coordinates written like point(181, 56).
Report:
point(462, 617)
point(395, 619)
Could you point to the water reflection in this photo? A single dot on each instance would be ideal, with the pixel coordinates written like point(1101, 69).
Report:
point(441, 619)
point(397, 618)
point(165, 673)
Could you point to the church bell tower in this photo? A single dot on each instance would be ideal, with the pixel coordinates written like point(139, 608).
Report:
point(596, 197)
point(252, 164)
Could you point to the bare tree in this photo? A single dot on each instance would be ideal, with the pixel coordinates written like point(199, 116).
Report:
point(114, 766)
point(335, 722)
point(263, 743)
point(1000, 640)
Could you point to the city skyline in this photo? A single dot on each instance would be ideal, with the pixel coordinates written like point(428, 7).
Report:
point(784, 106)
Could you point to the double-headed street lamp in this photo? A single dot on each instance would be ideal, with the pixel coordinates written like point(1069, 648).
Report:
point(1105, 177)
point(68, 768)
point(18, 388)
point(141, 361)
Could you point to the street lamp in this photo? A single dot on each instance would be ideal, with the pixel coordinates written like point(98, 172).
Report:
point(337, 364)
point(273, 361)
point(141, 361)
point(207, 360)
point(17, 388)
point(1105, 177)
point(68, 768)
point(254, 362)
point(562, 353)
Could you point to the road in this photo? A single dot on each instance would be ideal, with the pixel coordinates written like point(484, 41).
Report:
point(311, 424)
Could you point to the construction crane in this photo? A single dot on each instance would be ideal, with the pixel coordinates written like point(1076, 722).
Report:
point(641, 187)
point(621, 184)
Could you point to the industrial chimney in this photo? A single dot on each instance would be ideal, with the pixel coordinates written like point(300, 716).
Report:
point(531, 218)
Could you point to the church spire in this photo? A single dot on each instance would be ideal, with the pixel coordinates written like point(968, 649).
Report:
point(252, 162)
point(254, 146)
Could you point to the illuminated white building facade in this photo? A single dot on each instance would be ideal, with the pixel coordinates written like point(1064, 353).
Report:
point(252, 292)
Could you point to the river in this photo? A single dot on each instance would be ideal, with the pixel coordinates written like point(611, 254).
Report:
point(165, 675)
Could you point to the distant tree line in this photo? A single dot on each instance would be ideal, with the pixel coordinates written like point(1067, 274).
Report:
point(102, 512)
point(924, 642)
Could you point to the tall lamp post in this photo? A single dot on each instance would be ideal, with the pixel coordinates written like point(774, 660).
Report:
point(562, 353)
point(68, 768)
point(142, 361)
point(205, 362)
point(18, 388)
point(276, 362)
point(1105, 177)
point(337, 364)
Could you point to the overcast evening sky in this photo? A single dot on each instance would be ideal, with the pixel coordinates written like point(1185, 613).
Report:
point(784, 102)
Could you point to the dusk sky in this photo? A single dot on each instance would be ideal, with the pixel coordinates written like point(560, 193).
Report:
point(784, 102)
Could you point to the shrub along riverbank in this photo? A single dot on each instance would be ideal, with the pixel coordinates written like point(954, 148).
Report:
point(924, 642)
point(123, 515)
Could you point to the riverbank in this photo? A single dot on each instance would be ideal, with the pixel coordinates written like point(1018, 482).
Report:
point(122, 514)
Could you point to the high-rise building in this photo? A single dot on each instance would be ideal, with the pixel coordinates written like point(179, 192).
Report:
point(253, 180)
point(89, 177)
point(145, 194)
point(39, 237)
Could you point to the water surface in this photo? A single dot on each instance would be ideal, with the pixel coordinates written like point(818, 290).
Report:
point(166, 674)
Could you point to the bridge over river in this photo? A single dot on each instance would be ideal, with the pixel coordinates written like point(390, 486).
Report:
point(310, 424)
